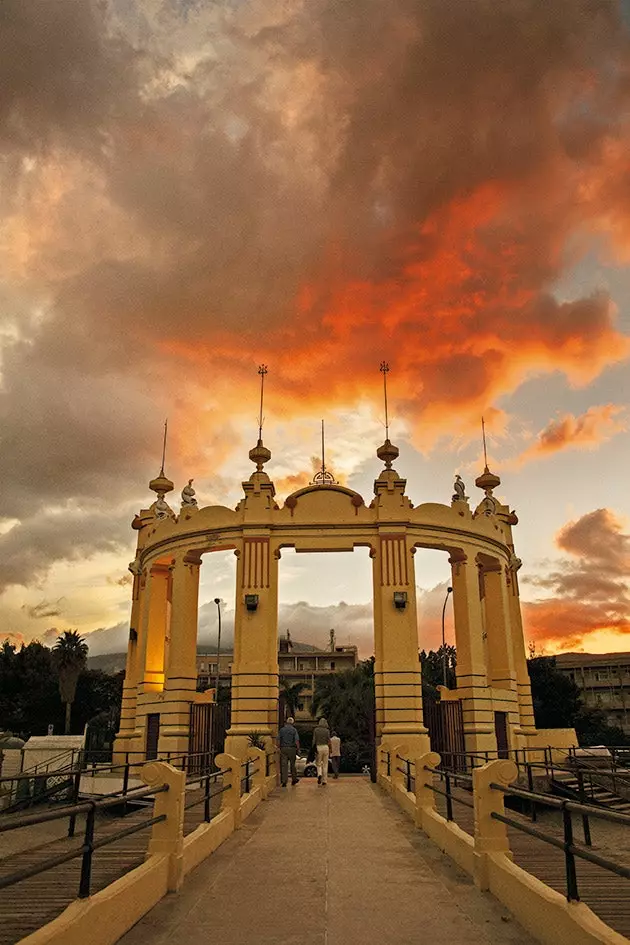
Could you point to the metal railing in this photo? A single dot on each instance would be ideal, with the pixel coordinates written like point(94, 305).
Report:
point(209, 781)
point(90, 842)
point(451, 779)
point(567, 844)
point(246, 779)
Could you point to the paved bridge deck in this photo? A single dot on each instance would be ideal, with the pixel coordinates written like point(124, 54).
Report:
point(325, 866)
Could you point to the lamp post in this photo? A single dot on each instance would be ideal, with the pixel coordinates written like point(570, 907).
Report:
point(217, 601)
point(449, 590)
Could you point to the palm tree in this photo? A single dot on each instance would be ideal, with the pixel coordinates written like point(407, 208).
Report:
point(290, 694)
point(69, 658)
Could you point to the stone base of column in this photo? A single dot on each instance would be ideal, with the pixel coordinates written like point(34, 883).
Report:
point(237, 741)
point(124, 748)
point(415, 743)
point(173, 746)
point(480, 740)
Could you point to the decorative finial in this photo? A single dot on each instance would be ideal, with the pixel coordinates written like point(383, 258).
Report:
point(384, 369)
point(262, 370)
point(388, 453)
point(323, 477)
point(260, 454)
point(188, 495)
point(487, 481)
point(161, 485)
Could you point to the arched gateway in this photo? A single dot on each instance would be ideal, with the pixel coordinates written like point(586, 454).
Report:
point(161, 670)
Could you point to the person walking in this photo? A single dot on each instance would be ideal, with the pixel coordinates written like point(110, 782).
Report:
point(335, 754)
point(321, 740)
point(288, 745)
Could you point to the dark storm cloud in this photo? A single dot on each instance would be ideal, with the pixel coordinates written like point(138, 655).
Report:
point(29, 548)
point(188, 184)
point(61, 76)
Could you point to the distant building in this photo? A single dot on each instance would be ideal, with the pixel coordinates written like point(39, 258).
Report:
point(298, 663)
point(604, 682)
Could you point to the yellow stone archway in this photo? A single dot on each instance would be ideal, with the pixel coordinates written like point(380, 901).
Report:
point(491, 664)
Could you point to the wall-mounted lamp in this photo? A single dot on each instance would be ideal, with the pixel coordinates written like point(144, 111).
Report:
point(133, 635)
point(400, 599)
point(251, 601)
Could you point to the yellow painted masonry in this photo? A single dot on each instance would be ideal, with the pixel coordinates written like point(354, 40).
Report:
point(492, 681)
point(102, 919)
point(487, 858)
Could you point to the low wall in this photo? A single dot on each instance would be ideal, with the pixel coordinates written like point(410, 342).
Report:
point(103, 918)
point(545, 913)
point(206, 838)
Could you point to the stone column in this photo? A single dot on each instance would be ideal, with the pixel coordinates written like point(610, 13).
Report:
point(398, 683)
point(472, 682)
point(181, 671)
point(501, 672)
point(527, 724)
point(255, 667)
point(153, 619)
point(124, 742)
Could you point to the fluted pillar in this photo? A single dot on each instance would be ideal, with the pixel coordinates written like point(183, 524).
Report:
point(255, 667)
point(180, 681)
point(472, 680)
point(398, 682)
point(124, 742)
point(501, 671)
point(153, 620)
point(527, 724)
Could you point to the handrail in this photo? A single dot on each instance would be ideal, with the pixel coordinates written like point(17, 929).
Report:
point(89, 845)
point(30, 820)
point(567, 845)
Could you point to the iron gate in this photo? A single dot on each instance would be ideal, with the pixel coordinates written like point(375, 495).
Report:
point(445, 723)
point(209, 722)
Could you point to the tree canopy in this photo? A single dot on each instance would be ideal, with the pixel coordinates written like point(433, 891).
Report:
point(30, 699)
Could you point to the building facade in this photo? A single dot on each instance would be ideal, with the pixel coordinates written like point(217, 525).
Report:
point(298, 664)
point(604, 681)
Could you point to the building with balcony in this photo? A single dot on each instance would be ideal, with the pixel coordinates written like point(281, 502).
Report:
point(297, 663)
point(604, 682)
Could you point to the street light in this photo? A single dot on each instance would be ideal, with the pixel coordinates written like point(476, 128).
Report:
point(217, 601)
point(449, 590)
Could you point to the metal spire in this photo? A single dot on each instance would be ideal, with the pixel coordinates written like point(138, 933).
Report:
point(262, 370)
point(164, 447)
point(323, 477)
point(483, 435)
point(384, 369)
point(323, 454)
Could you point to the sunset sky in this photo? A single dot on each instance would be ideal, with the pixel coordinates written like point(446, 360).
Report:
point(190, 188)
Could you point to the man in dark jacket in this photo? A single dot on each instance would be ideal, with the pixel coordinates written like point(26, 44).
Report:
point(288, 745)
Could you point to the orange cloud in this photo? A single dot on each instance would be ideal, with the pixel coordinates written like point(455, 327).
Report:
point(591, 588)
point(586, 431)
point(462, 320)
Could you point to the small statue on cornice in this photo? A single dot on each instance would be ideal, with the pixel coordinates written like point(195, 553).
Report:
point(188, 495)
point(515, 562)
point(135, 567)
point(459, 488)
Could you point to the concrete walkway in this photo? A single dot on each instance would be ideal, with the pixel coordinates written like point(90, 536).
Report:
point(325, 866)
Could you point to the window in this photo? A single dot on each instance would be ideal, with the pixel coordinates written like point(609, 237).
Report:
point(332, 664)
